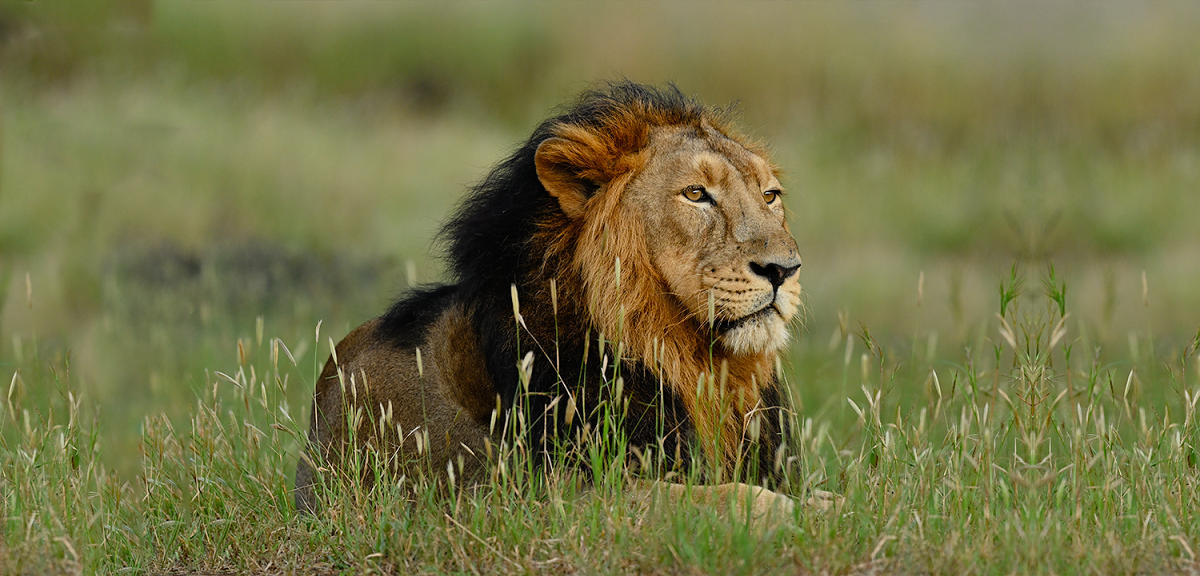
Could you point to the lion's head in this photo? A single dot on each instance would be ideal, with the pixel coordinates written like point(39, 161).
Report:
point(698, 211)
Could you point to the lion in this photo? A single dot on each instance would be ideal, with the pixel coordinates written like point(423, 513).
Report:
point(634, 248)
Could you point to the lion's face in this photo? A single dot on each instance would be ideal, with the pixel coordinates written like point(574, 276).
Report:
point(702, 210)
point(713, 222)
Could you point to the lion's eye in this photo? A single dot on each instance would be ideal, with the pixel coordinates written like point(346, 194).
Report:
point(770, 196)
point(696, 194)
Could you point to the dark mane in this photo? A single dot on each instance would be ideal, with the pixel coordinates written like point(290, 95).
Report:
point(407, 321)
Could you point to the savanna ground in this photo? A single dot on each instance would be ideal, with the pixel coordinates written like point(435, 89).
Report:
point(998, 206)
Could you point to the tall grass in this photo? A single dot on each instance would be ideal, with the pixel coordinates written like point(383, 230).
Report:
point(1030, 455)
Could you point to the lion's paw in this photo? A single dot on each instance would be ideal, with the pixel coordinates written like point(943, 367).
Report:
point(823, 500)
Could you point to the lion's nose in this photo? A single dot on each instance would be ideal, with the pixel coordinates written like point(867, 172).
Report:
point(774, 273)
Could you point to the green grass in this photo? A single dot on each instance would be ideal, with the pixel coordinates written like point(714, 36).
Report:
point(1034, 454)
point(183, 183)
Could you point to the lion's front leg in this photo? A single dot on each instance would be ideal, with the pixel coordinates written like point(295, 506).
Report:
point(761, 506)
point(764, 508)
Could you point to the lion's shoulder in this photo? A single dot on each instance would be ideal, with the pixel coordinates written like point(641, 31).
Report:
point(408, 320)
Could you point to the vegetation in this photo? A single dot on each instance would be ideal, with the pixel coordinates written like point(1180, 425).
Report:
point(195, 197)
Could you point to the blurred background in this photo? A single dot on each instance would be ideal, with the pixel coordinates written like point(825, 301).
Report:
point(179, 177)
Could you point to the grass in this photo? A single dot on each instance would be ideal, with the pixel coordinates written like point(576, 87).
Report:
point(1036, 451)
point(188, 188)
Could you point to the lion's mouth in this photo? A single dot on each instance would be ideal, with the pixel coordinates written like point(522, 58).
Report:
point(722, 326)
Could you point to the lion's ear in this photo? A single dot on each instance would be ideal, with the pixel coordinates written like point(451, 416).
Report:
point(559, 165)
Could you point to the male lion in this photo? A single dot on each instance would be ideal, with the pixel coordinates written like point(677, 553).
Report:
point(636, 224)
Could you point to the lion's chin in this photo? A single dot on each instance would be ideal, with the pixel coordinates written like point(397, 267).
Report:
point(764, 333)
